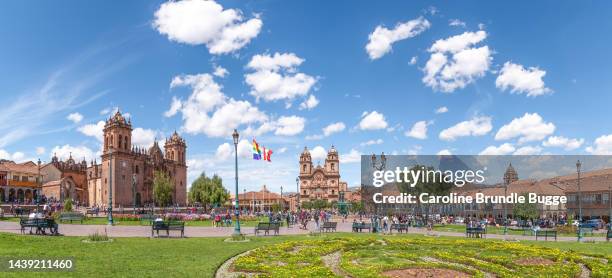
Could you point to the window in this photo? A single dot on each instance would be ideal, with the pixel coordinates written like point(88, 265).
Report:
point(304, 191)
point(120, 141)
point(136, 169)
point(125, 144)
point(16, 178)
point(304, 168)
point(333, 167)
point(333, 192)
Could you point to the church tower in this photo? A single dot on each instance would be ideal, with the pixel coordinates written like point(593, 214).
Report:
point(175, 149)
point(332, 162)
point(117, 162)
point(305, 162)
point(117, 134)
point(510, 176)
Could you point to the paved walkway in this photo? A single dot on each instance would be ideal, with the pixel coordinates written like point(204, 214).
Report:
point(145, 231)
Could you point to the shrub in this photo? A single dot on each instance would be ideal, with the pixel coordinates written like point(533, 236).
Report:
point(97, 237)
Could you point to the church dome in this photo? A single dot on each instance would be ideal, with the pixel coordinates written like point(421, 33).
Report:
point(333, 149)
point(175, 138)
point(510, 176)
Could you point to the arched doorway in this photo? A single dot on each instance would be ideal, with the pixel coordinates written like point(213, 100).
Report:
point(12, 196)
point(28, 195)
point(20, 195)
point(138, 199)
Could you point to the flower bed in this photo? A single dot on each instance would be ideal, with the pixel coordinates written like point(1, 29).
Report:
point(371, 257)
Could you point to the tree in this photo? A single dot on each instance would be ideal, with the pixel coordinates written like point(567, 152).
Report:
point(526, 210)
point(162, 188)
point(68, 205)
point(208, 191)
point(276, 207)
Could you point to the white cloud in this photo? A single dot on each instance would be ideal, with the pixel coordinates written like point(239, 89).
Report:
point(220, 72)
point(289, 126)
point(40, 150)
point(318, 154)
point(93, 130)
point(528, 150)
point(310, 103)
point(352, 157)
point(413, 60)
point(529, 127)
point(206, 22)
point(372, 142)
point(276, 77)
point(444, 152)
point(372, 121)
point(454, 63)
point(520, 80)
point(333, 128)
point(442, 110)
point(477, 126)
point(503, 149)
point(16, 156)
point(78, 152)
point(418, 130)
point(224, 151)
point(381, 40)
point(602, 145)
point(282, 150)
point(143, 137)
point(75, 117)
point(245, 148)
point(567, 144)
point(456, 22)
point(175, 106)
point(209, 111)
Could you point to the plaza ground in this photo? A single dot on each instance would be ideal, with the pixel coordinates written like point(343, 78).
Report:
point(172, 257)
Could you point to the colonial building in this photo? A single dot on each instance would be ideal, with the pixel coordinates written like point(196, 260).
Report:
point(126, 168)
point(320, 182)
point(65, 180)
point(19, 182)
point(258, 201)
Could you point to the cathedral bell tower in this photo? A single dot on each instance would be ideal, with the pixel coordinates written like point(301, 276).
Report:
point(117, 134)
point(175, 148)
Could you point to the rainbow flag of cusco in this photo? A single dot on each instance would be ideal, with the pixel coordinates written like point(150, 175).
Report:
point(256, 150)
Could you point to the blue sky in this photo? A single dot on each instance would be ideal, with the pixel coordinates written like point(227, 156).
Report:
point(519, 78)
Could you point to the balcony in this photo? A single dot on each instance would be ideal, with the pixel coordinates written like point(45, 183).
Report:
point(3, 182)
point(22, 183)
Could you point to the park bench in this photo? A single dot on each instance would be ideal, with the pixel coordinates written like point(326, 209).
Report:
point(266, 227)
point(358, 227)
point(92, 212)
point(21, 211)
point(399, 227)
point(586, 230)
point(71, 216)
point(147, 218)
point(476, 232)
point(546, 234)
point(329, 226)
point(609, 234)
point(40, 224)
point(168, 226)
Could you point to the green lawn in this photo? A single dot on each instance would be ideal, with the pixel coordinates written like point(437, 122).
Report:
point(172, 257)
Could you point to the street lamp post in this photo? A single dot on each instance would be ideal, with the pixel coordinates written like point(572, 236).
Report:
point(244, 194)
point(282, 204)
point(134, 192)
point(297, 188)
point(235, 136)
point(578, 165)
point(505, 209)
point(110, 187)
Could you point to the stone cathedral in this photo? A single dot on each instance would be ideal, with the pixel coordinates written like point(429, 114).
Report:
point(122, 162)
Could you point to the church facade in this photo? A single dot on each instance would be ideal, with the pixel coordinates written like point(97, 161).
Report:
point(129, 170)
point(321, 182)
